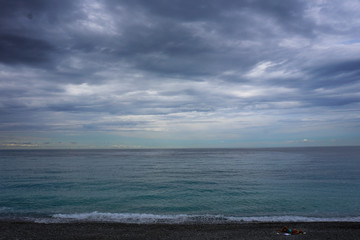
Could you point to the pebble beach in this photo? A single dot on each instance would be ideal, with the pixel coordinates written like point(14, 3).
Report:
point(250, 231)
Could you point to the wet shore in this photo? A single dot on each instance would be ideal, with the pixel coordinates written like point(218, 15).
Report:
point(256, 231)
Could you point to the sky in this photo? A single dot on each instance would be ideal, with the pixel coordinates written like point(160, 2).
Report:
point(179, 73)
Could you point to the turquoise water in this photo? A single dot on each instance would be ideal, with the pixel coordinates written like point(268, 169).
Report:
point(181, 185)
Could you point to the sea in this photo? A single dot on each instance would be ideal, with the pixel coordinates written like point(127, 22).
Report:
point(181, 185)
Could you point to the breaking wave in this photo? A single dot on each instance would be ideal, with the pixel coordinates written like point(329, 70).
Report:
point(143, 218)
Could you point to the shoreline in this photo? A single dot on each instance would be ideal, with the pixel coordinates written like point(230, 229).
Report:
point(105, 230)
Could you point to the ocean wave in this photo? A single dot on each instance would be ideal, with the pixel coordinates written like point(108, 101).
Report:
point(143, 218)
point(6, 209)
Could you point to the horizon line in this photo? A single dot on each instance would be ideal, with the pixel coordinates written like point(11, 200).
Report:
point(179, 148)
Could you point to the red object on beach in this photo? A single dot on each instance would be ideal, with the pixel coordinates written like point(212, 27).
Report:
point(291, 231)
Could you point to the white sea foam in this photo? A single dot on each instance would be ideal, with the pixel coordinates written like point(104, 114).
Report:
point(122, 217)
point(183, 218)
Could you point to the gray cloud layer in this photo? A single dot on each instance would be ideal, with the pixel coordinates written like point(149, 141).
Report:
point(175, 67)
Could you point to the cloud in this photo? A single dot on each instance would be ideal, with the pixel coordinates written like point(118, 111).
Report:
point(18, 145)
point(170, 70)
point(17, 49)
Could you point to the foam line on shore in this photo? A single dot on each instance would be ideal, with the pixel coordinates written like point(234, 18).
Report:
point(143, 218)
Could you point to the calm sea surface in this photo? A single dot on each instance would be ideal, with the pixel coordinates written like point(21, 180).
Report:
point(181, 185)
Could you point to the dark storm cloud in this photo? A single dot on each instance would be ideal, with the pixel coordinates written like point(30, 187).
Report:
point(182, 51)
point(215, 10)
point(21, 15)
point(193, 37)
point(163, 48)
point(28, 32)
point(162, 43)
point(17, 49)
point(336, 73)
